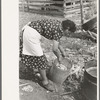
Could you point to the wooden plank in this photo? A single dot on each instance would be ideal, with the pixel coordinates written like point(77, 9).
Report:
point(70, 16)
point(37, 4)
point(67, 1)
point(74, 11)
point(90, 0)
point(53, 2)
point(39, 0)
point(77, 5)
point(54, 8)
point(54, 13)
point(23, 84)
point(68, 13)
point(34, 7)
point(42, 5)
point(50, 7)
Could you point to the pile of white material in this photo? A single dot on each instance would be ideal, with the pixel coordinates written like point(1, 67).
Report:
point(61, 66)
point(27, 88)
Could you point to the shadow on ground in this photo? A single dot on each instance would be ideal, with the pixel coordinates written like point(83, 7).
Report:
point(31, 88)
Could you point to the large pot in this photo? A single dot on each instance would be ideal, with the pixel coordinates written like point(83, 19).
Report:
point(89, 86)
point(59, 75)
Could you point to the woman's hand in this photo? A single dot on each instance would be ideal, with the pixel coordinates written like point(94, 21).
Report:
point(64, 54)
point(58, 51)
point(60, 59)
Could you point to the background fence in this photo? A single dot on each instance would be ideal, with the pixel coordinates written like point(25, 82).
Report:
point(64, 8)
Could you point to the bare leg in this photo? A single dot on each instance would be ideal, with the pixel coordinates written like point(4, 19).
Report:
point(43, 75)
point(45, 80)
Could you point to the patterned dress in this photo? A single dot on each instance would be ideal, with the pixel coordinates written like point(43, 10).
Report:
point(50, 29)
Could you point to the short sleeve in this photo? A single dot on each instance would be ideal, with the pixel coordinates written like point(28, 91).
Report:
point(57, 33)
point(36, 25)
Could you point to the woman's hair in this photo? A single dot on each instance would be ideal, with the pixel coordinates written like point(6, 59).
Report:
point(70, 24)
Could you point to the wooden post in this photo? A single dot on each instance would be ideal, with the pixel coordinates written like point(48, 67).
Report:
point(64, 4)
point(23, 5)
point(27, 5)
point(81, 9)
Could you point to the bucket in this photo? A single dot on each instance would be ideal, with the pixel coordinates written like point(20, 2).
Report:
point(59, 75)
point(89, 86)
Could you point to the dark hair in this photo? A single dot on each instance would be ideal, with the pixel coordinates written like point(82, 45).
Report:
point(70, 24)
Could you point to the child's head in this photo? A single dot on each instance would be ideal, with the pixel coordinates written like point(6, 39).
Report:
point(68, 25)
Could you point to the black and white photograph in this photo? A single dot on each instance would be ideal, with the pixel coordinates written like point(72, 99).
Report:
point(56, 54)
point(58, 49)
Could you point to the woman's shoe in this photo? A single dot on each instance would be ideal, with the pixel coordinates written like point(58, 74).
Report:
point(49, 87)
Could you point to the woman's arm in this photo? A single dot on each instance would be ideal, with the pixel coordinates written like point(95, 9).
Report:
point(62, 50)
point(56, 50)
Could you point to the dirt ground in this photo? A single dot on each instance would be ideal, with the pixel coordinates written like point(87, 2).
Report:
point(82, 53)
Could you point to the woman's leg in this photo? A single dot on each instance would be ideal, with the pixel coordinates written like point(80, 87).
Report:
point(45, 81)
point(43, 75)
